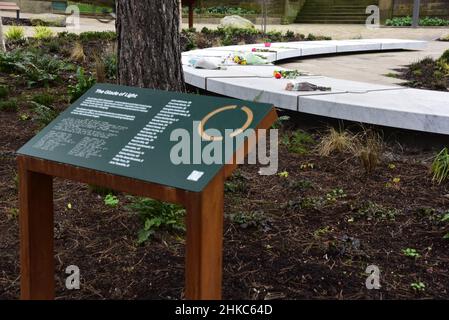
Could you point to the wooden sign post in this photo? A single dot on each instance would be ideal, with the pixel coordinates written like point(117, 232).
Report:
point(119, 138)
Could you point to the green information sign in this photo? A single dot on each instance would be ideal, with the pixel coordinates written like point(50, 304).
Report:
point(135, 132)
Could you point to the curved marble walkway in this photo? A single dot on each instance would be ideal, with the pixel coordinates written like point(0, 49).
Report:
point(393, 106)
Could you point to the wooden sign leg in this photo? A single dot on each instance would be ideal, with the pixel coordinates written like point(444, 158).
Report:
point(36, 235)
point(204, 249)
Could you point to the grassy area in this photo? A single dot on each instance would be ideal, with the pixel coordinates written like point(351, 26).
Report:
point(86, 8)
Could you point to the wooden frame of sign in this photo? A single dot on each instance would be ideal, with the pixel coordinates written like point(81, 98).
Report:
point(204, 221)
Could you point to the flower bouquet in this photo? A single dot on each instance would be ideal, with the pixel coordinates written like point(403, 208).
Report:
point(247, 59)
point(286, 74)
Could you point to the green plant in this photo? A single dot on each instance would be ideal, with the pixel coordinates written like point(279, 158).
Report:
point(299, 142)
point(301, 185)
point(440, 166)
point(411, 253)
point(335, 194)
point(407, 21)
point(111, 200)
point(45, 99)
point(9, 105)
point(373, 211)
point(38, 69)
point(13, 213)
point(283, 174)
point(4, 91)
point(250, 219)
point(322, 231)
point(83, 83)
point(445, 56)
point(237, 184)
point(110, 63)
point(279, 122)
point(43, 33)
point(156, 215)
point(97, 35)
point(44, 114)
point(418, 286)
point(15, 33)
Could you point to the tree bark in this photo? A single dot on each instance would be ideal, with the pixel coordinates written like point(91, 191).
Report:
point(149, 52)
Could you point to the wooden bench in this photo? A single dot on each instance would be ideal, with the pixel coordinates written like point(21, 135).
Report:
point(10, 6)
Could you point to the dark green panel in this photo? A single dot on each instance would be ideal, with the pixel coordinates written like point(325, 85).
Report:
point(110, 129)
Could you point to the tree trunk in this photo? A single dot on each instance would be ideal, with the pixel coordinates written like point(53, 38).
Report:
point(149, 53)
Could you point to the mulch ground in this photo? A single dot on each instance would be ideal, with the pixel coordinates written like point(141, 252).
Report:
point(310, 235)
point(302, 243)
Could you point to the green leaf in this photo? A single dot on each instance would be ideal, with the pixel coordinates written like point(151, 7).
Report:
point(111, 200)
point(446, 236)
point(143, 236)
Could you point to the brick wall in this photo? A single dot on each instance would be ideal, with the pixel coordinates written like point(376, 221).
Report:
point(432, 8)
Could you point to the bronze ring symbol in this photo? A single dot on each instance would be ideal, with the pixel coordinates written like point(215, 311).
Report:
point(205, 136)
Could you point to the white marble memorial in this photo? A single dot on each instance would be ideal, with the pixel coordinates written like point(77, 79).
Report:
point(386, 105)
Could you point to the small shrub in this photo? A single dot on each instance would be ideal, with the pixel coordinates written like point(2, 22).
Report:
point(299, 142)
point(9, 106)
point(369, 150)
point(44, 114)
point(156, 215)
point(97, 35)
point(15, 33)
point(110, 63)
point(43, 33)
point(374, 211)
point(77, 53)
point(252, 219)
point(407, 21)
point(100, 69)
point(336, 141)
point(83, 83)
point(38, 69)
point(335, 195)
point(440, 166)
point(45, 99)
point(445, 56)
point(237, 184)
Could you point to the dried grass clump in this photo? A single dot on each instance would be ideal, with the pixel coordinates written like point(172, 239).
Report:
point(369, 149)
point(77, 54)
point(100, 69)
point(336, 141)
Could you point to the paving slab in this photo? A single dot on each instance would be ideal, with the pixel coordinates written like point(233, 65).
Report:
point(414, 109)
point(386, 105)
point(198, 77)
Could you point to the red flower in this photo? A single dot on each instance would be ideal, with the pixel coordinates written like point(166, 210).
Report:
point(277, 75)
point(254, 50)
